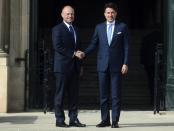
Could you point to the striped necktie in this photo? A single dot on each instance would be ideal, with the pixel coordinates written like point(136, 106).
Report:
point(72, 31)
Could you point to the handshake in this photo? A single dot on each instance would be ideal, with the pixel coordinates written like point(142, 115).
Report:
point(79, 54)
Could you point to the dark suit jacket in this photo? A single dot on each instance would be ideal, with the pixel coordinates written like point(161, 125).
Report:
point(114, 55)
point(64, 47)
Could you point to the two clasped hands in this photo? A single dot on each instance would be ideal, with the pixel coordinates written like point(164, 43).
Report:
point(79, 54)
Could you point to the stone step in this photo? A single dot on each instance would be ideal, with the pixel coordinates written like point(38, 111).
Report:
point(135, 92)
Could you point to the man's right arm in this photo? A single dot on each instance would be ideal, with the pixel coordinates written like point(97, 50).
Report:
point(93, 44)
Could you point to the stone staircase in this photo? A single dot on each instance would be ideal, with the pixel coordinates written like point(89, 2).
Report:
point(135, 94)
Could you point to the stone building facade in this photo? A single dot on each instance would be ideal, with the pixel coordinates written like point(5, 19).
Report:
point(15, 38)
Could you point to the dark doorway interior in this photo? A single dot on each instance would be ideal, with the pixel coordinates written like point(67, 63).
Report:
point(136, 13)
point(140, 16)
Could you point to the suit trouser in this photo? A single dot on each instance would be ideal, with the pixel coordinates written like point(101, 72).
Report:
point(110, 82)
point(68, 82)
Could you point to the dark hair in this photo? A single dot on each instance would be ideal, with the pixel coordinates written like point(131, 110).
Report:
point(111, 5)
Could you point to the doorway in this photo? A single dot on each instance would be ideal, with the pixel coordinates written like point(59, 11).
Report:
point(140, 16)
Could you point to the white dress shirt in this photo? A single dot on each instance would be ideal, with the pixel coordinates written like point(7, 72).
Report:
point(113, 26)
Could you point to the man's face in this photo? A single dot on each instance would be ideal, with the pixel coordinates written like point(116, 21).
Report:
point(68, 14)
point(110, 14)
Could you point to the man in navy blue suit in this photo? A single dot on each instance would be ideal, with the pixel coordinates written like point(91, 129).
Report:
point(65, 39)
point(111, 40)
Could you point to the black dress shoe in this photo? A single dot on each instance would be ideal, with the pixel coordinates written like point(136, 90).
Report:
point(62, 124)
point(76, 123)
point(114, 125)
point(103, 124)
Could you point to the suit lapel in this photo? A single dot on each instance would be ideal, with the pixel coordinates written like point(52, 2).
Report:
point(68, 32)
point(66, 28)
point(77, 36)
point(115, 32)
point(104, 30)
point(115, 29)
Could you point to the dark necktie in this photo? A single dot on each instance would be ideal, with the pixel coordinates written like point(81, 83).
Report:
point(71, 31)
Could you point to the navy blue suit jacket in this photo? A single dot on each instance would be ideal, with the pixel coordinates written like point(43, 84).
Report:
point(115, 55)
point(64, 46)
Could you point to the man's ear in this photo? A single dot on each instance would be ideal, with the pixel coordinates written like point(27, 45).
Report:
point(62, 15)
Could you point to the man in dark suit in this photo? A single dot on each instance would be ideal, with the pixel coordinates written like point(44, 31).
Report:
point(111, 40)
point(67, 68)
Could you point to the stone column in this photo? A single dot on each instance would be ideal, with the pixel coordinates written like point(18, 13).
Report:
point(3, 84)
point(19, 41)
point(170, 56)
point(4, 44)
point(4, 25)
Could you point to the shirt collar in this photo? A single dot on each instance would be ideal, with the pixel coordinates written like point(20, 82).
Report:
point(68, 25)
point(113, 23)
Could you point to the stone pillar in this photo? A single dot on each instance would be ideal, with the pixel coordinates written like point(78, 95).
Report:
point(19, 41)
point(4, 44)
point(3, 84)
point(170, 55)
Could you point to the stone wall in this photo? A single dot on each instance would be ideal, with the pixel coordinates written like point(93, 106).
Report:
point(15, 30)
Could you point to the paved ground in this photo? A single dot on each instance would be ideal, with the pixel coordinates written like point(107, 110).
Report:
point(129, 121)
